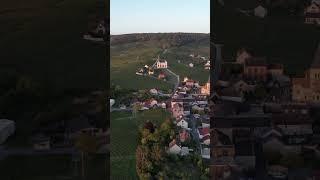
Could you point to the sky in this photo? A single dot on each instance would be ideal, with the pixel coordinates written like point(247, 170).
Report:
point(152, 16)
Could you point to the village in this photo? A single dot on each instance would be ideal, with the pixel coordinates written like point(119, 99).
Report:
point(264, 123)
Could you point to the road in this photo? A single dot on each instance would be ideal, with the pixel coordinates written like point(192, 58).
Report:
point(118, 109)
point(194, 131)
point(177, 82)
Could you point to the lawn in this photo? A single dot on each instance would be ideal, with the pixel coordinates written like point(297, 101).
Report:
point(124, 137)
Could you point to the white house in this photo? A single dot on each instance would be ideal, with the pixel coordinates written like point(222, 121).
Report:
point(112, 101)
point(153, 91)
point(163, 105)
point(205, 153)
point(174, 148)
point(191, 65)
point(184, 151)
point(260, 11)
point(162, 64)
point(7, 128)
point(207, 65)
point(182, 123)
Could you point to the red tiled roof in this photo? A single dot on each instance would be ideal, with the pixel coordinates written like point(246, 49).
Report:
point(206, 137)
point(184, 135)
point(204, 131)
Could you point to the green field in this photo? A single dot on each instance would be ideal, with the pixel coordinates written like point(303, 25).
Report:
point(127, 58)
point(182, 53)
point(124, 137)
point(43, 39)
point(50, 168)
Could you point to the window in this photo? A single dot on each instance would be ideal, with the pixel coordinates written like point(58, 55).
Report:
point(225, 153)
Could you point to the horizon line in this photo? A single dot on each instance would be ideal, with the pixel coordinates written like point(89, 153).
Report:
point(160, 33)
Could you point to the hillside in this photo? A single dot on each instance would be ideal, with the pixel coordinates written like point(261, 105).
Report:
point(132, 51)
point(43, 39)
point(282, 38)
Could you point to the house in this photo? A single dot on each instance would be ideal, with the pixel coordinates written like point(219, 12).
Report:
point(153, 91)
point(184, 135)
point(191, 65)
point(275, 69)
point(242, 56)
point(256, 69)
point(307, 88)
point(151, 103)
point(163, 105)
point(40, 142)
point(182, 123)
point(161, 75)
point(184, 151)
point(207, 65)
point(112, 101)
point(190, 83)
point(205, 153)
point(260, 11)
point(7, 128)
point(206, 88)
point(206, 140)
point(177, 109)
point(161, 64)
point(202, 132)
point(150, 72)
point(312, 13)
point(174, 148)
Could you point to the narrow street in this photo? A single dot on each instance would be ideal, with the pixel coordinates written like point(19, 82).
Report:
point(194, 131)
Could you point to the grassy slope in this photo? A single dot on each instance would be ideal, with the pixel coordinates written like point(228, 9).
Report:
point(48, 168)
point(182, 53)
point(127, 58)
point(125, 61)
point(124, 135)
point(44, 39)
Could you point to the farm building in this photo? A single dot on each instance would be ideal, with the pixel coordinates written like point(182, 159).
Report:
point(7, 128)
